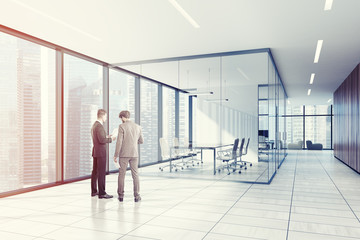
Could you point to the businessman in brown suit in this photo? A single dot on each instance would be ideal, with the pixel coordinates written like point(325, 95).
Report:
point(99, 155)
point(129, 136)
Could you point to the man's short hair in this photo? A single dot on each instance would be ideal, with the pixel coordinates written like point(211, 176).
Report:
point(100, 113)
point(125, 114)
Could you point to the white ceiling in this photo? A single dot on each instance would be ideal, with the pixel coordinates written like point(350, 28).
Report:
point(118, 31)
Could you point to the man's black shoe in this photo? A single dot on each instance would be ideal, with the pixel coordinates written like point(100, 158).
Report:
point(121, 199)
point(137, 199)
point(105, 196)
point(94, 194)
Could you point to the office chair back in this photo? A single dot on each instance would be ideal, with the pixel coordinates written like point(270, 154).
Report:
point(176, 142)
point(247, 146)
point(241, 146)
point(186, 142)
point(236, 144)
point(164, 147)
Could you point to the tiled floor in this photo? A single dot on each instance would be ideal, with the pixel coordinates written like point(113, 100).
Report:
point(313, 196)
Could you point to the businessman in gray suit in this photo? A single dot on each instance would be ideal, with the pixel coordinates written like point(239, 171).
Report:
point(99, 155)
point(129, 136)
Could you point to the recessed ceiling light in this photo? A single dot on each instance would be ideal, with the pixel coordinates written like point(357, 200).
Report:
point(184, 13)
point(309, 92)
point(318, 50)
point(329, 100)
point(312, 78)
point(56, 20)
point(328, 5)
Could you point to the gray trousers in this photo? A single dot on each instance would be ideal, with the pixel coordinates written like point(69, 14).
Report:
point(134, 173)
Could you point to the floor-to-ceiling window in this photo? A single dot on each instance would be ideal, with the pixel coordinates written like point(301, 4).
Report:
point(83, 96)
point(168, 114)
point(149, 122)
point(311, 122)
point(318, 124)
point(121, 97)
point(183, 118)
point(50, 100)
point(28, 118)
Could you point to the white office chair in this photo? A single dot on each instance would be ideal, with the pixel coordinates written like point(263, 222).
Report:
point(192, 152)
point(166, 156)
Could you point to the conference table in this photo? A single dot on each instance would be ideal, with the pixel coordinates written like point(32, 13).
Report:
point(202, 147)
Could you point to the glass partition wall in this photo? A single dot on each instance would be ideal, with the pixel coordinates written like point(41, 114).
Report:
point(232, 95)
point(204, 100)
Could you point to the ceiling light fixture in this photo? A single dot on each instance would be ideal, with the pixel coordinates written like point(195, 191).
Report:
point(328, 5)
point(56, 20)
point(217, 100)
point(200, 93)
point(184, 13)
point(189, 89)
point(318, 50)
point(329, 100)
point(312, 78)
point(289, 102)
point(309, 92)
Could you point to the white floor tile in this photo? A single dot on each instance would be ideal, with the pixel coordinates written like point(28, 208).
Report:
point(14, 236)
point(157, 232)
point(53, 218)
point(313, 236)
point(215, 236)
point(247, 231)
point(255, 222)
point(330, 220)
point(194, 215)
point(70, 233)
point(30, 228)
point(343, 231)
point(114, 214)
point(105, 225)
point(260, 213)
point(182, 223)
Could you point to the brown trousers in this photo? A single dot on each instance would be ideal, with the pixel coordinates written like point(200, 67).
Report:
point(134, 173)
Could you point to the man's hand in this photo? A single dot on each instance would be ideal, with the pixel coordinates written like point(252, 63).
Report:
point(113, 138)
point(115, 159)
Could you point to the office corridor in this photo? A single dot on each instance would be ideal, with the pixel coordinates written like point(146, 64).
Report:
point(313, 196)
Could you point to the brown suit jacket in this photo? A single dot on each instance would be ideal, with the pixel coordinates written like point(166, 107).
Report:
point(99, 140)
point(129, 136)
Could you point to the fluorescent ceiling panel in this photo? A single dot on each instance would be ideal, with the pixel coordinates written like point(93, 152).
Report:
point(184, 13)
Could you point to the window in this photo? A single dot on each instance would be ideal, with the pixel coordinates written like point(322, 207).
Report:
point(312, 121)
point(183, 119)
point(149, 122)
point(318, 130)
point(295, 128)
point(121, 97)
point(318, 110)
point(168, 106)
point(27, 88)
point(83, 96)
point(294, 110)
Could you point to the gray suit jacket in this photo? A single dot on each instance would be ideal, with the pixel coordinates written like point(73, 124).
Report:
point(129, 136)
